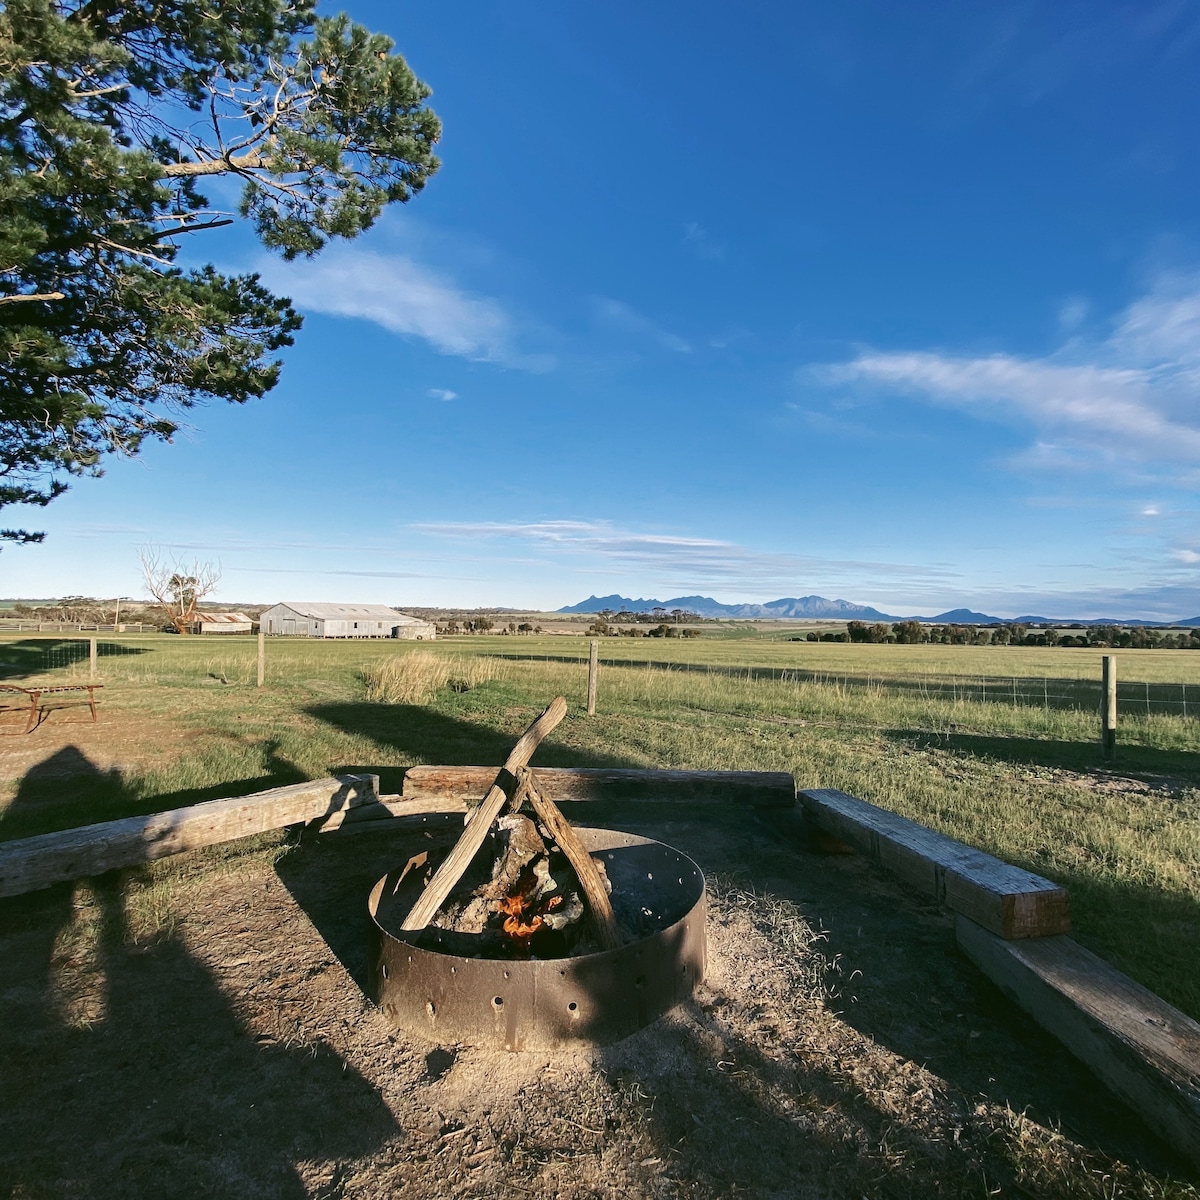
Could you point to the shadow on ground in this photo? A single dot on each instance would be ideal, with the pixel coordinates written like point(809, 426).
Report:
point(419, 734)
point(37, 656)
point(1139, 762)
point(129, 1073)
point(899, 981)
point(66, 789)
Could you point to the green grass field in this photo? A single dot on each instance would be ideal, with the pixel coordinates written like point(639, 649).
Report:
point(932, 732)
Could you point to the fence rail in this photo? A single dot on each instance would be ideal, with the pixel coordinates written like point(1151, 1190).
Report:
point(9, 625)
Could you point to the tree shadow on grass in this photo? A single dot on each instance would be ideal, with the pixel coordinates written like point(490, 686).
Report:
point(66, 790)
point(1132, 760)
point(422, 735)
point(39, 656)
point(129, 1073)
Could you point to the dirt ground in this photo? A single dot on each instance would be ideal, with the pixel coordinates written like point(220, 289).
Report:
point(199, 1028)
point(68, 737)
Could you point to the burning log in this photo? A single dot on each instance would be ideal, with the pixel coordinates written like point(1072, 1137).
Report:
point(587, 869)
point(524, 899)
point(457, 861)
point(527, 898)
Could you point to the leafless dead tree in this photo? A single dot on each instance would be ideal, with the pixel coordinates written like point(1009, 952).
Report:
point(177, 585)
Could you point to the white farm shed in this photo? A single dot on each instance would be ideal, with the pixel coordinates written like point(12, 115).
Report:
point(343, 621)
point(221, 622)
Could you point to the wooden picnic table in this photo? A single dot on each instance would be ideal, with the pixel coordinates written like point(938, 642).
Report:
point(37, 691)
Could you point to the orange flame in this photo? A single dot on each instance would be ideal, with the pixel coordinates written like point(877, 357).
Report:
point(517, 906)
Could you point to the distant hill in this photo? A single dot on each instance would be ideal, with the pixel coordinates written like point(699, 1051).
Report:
point(812, 607)
point(819, 608)
point(960, 616)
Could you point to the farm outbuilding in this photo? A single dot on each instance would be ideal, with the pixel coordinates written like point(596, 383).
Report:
point(300, 619)
point(221, 622)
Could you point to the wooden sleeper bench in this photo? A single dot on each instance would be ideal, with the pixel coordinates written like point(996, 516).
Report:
point(35, 695)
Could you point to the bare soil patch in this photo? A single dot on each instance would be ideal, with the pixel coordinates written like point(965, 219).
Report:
point(198, 1028)
point(67, 744)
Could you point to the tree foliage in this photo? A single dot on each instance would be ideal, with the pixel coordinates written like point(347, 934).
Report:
point(111, 115)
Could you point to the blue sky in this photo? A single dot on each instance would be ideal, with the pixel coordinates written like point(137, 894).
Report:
point(894, 303)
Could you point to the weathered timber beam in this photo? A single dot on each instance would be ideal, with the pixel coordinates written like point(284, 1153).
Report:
point(1145, 1051)
point(761, 789)
point(384, 808)
point(37, 862)
point(1009, 901)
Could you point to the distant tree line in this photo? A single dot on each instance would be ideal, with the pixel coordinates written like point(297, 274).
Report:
point(88, 610)
point(912, 633)
point(601, 627)
point(660, 615)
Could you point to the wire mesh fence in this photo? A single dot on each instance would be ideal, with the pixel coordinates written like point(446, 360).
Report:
point(1016, 691)
point(176, 659)
point(233, 658)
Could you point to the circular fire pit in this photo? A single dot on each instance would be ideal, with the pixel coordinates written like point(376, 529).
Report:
point(542, 1003)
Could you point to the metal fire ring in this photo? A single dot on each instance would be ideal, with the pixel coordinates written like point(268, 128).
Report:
point(542, 1003)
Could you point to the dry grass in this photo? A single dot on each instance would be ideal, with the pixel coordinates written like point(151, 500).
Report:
point(418, 676)
point(1023, 782)
point(810, 1044)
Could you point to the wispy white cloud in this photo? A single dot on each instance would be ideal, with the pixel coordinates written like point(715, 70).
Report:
point(689, 563)
point(666, 564)
point(443, 394)
point(619, 315)
point(407, 298)
point(318, 571)
point(1133, 397)
point(232, 545)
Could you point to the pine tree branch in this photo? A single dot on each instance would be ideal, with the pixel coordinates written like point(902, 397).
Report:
point(33, 296)
point(216, 166)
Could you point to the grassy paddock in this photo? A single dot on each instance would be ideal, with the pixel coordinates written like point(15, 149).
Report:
point(1023, 781)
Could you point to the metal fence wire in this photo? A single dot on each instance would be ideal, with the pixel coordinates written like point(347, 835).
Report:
point(1017, 691)
point(185, 656)
point(29, 657)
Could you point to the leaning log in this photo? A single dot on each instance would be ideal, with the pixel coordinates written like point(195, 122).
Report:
point(500, 792)
point(38, 862)
point(598, 904)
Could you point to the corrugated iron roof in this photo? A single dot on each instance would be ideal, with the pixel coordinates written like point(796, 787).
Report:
point(351, 612)
point(221, 618)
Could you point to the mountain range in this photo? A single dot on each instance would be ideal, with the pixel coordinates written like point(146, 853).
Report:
point(820, 608)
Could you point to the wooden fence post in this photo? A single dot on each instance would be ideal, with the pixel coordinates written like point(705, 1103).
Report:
point(1108, 708)
point(593, 668)
point(92, 658)
point(262, 656)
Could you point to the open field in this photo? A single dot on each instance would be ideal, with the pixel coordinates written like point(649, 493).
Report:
point(181, 721)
